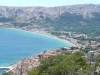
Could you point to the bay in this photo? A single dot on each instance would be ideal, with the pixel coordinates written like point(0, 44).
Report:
point(18, 44)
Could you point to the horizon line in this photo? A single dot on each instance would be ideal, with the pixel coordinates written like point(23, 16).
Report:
point(49, 6)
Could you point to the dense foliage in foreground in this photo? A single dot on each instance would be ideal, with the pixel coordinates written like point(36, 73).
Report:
point(63, 64)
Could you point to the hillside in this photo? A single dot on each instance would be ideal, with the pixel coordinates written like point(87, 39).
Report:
point(77, 18)
point(85, 10)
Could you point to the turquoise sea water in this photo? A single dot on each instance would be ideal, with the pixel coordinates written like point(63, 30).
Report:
point(17, 44)
point(2, 71)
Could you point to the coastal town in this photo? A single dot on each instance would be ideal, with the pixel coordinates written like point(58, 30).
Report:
point(79, 43)
point(73, 25)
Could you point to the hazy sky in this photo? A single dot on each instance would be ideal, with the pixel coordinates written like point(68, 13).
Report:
point(46, 3)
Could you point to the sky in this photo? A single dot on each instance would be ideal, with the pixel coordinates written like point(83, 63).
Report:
point(46, 3)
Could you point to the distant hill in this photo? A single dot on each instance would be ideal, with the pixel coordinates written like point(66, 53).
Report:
point(77, 18)
point(86, 10)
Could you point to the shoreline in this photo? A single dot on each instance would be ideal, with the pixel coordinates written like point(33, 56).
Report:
point(11, 67)
point(47, 35)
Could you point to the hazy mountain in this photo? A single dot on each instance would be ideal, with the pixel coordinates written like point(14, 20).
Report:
point(86, 10)
point(77, 18)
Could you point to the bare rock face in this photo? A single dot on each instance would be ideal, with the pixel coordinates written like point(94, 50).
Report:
point(86, 10)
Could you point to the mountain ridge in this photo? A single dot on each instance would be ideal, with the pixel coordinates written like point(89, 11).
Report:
point(77, 18)
point(85, 10)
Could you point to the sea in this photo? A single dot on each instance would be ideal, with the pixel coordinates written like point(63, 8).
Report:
point(18, 44)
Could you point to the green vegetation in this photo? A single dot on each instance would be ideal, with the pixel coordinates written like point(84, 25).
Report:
point(64, 22)
point(7, 73)
point(73, 23)
point(4, 19)
point(63, 64)
point(21, 24)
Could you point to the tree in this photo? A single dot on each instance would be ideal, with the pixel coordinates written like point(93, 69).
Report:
point(62, 64)
point(7, 73)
